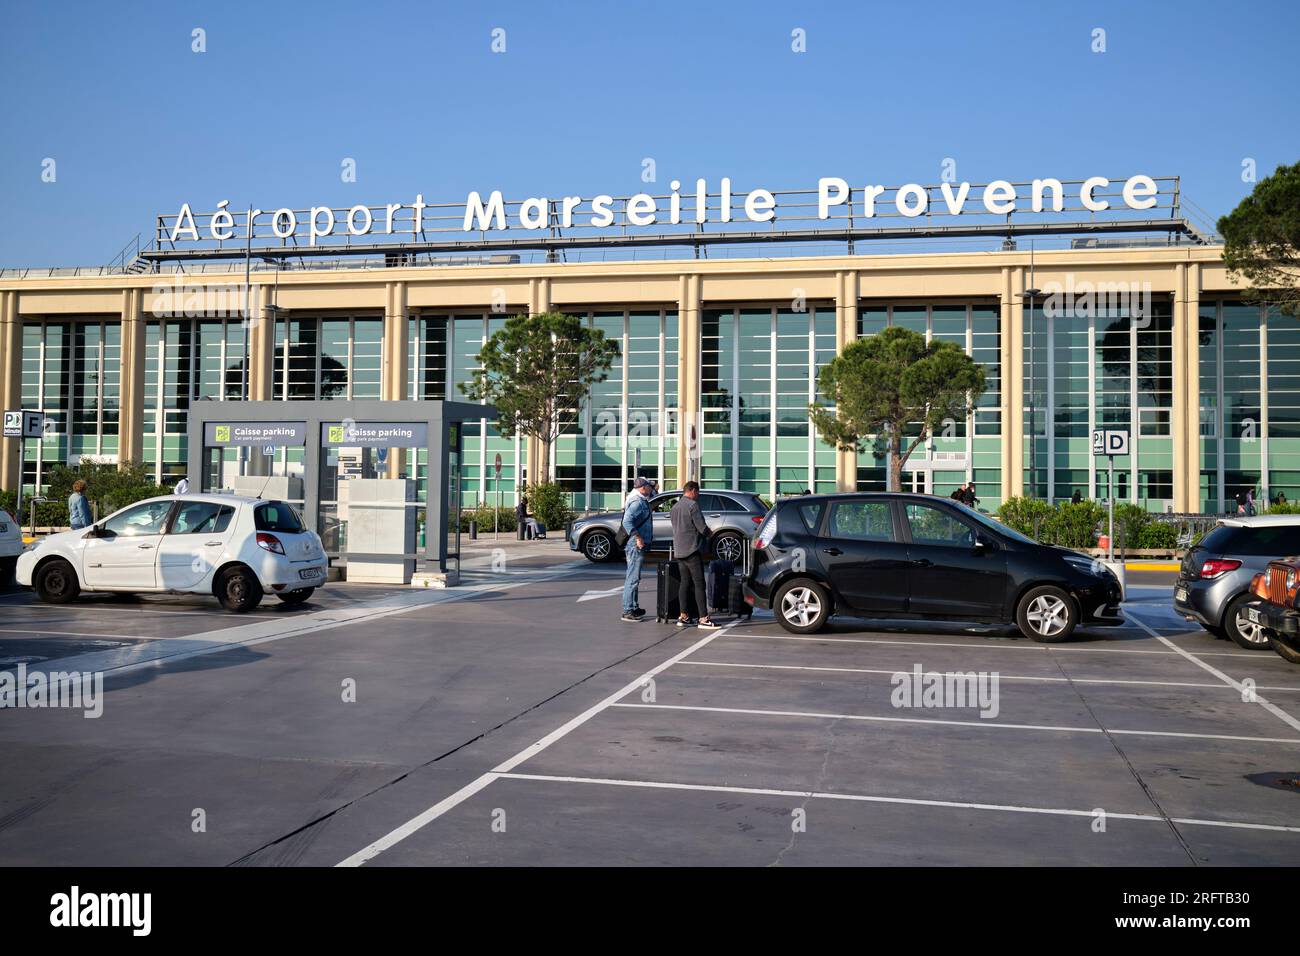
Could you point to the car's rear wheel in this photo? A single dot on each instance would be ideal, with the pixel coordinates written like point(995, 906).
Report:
point(239, 591)
point(1046, 614)
point(728, 547)
point(598, 546)
point(1244, 632)
point(802, 606)
point(56, 582)
point(1285, 651)
point(296, 597)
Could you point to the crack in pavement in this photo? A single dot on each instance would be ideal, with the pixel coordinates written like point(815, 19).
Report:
point(292, 834)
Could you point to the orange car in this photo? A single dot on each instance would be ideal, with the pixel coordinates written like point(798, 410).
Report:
point(1277, 606)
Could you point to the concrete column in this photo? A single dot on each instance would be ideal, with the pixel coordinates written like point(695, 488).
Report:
point(1192, 384)
point(261, 348)
point(688, 369)
point(11, 384)
point(846, 331)
point(1013, 382)
point(130, 435)
point(395, 372)
point(539, 301)
point(1181, 413)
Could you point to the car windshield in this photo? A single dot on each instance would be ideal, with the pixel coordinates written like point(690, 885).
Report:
point(276, 516)
point(998, 526)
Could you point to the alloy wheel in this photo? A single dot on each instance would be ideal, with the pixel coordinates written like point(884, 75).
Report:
point(801, 606)
point(728, 548)
point(598, 547)
point(1253, 633)
point(1048, 615)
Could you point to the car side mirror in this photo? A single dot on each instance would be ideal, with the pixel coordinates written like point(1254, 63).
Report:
point(984, 545)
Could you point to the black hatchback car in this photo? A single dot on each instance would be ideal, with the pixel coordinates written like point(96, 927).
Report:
point(899, 556)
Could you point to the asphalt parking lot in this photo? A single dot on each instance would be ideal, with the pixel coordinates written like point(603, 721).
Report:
point(516, 721)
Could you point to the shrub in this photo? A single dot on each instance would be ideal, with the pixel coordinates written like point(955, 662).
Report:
point(548, 502)
point(484, 515)
point(1031, 516)
point(1286, 508)
point(1075, 526)
point(1129, 522)
point(1158, 536)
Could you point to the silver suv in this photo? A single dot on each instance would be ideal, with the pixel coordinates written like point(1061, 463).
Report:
point(732, 517)
point(1213, 585)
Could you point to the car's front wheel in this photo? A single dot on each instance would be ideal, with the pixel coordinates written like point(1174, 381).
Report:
point(1244, 632)
point(296, 597)
point(598, 546)
point(728, 547)
point(239, 591)
point(56, 582)
point(1046, 614)
point(802, 606)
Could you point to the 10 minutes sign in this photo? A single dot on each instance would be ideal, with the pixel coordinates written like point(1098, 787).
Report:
point(1110, 442)
point(20, 424)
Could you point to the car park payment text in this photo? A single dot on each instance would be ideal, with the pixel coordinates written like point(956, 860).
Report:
point(758, 205)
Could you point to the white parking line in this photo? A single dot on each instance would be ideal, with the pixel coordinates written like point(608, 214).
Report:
point(1050, 680)
point(416, 823)
point(1238, 686)
point(985, 724)
point(1011, 645)
point(906, 801)
point(46, 631)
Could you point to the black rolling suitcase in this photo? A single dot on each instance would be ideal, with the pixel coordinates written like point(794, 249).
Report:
point(668, 576)
point(717, 578)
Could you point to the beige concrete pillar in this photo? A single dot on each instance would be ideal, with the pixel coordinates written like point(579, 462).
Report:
point(261, 348)
point(846, 331)
point(130, 433)
point(1192, 386)
point(688, 370)
point(394, 370)
point(539, 301)
point(11, 384)
point(1013, 382)
point(1180, 413)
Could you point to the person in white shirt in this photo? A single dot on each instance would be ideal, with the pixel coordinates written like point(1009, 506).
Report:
point(183, 486)
point(635, 492)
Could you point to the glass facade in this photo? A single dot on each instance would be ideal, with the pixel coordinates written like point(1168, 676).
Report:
point(758, 375)
point(962, 451)
point(1083, 369)
point(71, 371)
point(1104, 367)
point(1250, 404)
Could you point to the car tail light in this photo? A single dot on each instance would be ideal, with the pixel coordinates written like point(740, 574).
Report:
point(269, 542)
point(757, 519)
point(766, 533)
point(1216, 566)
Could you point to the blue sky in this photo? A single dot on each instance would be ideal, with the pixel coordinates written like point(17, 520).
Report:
point(138, 123)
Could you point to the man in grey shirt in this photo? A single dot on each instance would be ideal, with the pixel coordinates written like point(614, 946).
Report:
point(689, 534)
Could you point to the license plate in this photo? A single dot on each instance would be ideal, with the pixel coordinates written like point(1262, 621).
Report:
point(1252, 615)
point(309, 573)
point(1180, 594)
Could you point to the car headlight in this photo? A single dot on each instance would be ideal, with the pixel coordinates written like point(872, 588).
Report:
point(1290, 579)
point(1090, 566)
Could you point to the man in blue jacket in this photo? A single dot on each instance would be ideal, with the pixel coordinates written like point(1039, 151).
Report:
point(78, 507)
point(638, 522)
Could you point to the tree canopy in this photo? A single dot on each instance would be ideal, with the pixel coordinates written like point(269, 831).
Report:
point(894, 390)
point(1261, 240)
point(537, 371)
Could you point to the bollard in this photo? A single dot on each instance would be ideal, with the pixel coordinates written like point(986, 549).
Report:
point(473, 530)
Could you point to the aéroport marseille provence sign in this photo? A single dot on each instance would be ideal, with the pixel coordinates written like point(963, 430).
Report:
point(834, 199)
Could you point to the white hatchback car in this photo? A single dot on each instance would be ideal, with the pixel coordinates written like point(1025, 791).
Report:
point(236, 548)
point(11, 545)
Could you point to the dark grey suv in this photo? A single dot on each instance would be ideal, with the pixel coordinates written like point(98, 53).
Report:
point(732, 517)
point(1214, 581)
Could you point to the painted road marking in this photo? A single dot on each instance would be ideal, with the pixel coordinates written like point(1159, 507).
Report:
point(416, 823)
point(906, 801)
point(1013, 645)
point(1239, 687)
point(987, 724)
point(1051, 680)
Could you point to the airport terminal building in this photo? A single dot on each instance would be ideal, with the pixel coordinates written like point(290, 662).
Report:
point(1080, 320)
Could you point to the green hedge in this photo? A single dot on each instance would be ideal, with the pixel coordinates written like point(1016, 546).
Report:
point(1078, 525)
